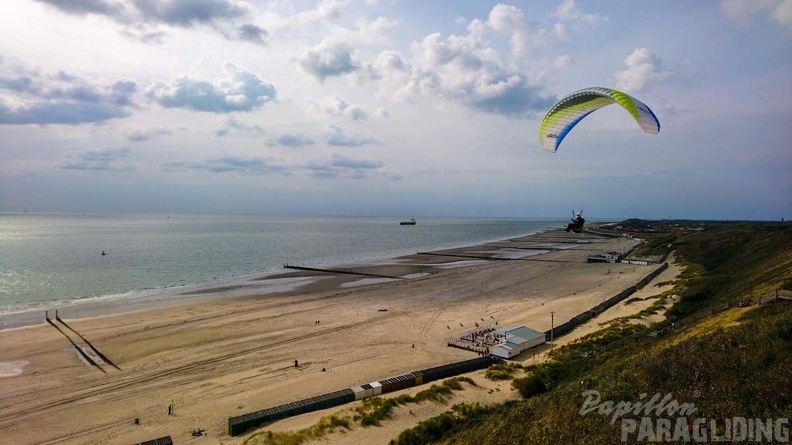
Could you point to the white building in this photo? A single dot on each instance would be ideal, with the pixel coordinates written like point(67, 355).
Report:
point(515, 340)
point(610, 257)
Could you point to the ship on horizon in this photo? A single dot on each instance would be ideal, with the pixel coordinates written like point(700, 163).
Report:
point(409, 222)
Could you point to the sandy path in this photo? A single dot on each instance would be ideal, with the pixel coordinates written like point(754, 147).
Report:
point(224, 358)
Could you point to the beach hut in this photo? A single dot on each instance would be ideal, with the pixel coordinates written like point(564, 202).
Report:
point(376, 388)
point(516, 340)
point(363, 391)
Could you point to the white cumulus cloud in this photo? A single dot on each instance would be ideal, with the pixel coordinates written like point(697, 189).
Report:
point(241, 91)
point(643, 67)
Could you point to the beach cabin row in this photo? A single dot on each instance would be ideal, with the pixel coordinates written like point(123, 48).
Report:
point(160, 441)
point(239, 424)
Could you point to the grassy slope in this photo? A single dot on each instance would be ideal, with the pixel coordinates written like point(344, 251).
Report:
point(731, 363)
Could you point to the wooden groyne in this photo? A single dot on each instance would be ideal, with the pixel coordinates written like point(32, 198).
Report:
point(80, 349)
point(340, 271)
point(475, 257)
point(549, 249)
point(77, 348)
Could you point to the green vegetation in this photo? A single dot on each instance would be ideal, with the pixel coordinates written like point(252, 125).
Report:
point(370, 412)
point(373, 410)
point(433, 429)
point(726, 360)
point(325, 425)
point(502, 371)
point(632, 300)
point(530, 386)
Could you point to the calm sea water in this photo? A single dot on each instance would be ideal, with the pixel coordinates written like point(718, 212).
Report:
point(56, 258)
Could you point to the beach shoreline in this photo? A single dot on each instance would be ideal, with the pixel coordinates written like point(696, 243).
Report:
point(279, 281)
point(217, 358)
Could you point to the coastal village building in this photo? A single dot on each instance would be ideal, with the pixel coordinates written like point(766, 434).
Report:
point(610, 257)
point(516, 340)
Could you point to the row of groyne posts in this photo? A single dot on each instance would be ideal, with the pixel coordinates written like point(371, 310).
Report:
point(339, 271)
point(239, 424)
point(94, 360)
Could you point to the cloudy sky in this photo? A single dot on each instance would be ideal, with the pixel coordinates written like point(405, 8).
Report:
point(393, 107)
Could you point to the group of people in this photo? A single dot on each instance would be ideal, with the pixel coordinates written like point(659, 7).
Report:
point(478, 341)
point(468, 346)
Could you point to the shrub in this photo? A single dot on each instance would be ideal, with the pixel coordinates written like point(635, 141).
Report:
point(529, 386)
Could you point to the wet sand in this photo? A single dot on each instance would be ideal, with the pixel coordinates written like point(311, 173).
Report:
point(219, 358)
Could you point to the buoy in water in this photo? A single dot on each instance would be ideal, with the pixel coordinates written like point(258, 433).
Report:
point(103, 253)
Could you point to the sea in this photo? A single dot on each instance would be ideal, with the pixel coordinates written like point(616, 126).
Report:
point(57, 260)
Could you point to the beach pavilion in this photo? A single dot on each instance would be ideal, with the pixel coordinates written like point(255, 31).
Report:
point(515, 340)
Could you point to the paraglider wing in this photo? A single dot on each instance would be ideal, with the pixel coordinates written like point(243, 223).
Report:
point(570, 110)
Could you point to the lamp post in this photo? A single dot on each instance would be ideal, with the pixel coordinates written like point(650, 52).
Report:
point(552, 313)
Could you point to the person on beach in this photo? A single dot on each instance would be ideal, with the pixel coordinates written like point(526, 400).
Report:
point(577, 223)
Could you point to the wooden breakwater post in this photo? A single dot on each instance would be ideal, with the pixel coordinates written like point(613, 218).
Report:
point(339, 271)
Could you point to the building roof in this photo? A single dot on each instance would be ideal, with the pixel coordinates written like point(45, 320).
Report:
point(520, 334)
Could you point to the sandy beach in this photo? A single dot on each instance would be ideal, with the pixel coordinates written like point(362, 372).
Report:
point(212, 359)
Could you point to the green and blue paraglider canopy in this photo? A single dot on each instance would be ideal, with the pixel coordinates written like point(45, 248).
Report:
point(570, 110)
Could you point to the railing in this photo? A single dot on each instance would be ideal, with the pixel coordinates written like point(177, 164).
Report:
point(773, 297)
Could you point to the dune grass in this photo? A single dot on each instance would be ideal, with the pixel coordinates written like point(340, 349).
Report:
point(502, 371)
point(371, 412)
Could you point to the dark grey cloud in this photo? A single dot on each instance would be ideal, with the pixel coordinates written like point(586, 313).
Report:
point(337, 106)
point(122, 91)
point(250, 33)
point(144, 33)
point(228, 164)
point(343, 167)
point(243, 92)
point(107, 159)
point(83, 7)
point(61, 98)
point(511, 96)
point(141, 19)
point(336, 167)
point(338, 138)
point(358, 164)
point(186, 13)
point(235, 124)
point(69, 113)
point(18, 84)
point(145, 134)
point(328, 60)
point(292, 140)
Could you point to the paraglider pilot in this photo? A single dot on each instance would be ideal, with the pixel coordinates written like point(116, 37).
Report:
point(577, 223)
